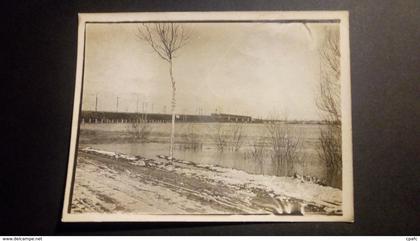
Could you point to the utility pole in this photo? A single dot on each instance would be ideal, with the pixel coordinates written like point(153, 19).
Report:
point(146, 111)
point(117, 103)
point(142, 110)
point(96, 103)
point(137, 105)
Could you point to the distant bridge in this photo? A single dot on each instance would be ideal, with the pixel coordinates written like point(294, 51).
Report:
point(126, 117)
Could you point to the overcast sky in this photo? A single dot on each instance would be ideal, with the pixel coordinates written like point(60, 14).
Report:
point(257, 69)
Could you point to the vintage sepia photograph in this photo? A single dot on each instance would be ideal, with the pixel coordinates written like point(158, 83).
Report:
point(211, 116)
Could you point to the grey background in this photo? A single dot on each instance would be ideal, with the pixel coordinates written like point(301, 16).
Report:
point(39, 72)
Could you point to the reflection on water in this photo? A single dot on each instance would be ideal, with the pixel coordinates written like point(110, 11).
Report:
point(209, 154)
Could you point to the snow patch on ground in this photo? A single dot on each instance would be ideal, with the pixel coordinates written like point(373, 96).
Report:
point(279, 186)
point(100, 188)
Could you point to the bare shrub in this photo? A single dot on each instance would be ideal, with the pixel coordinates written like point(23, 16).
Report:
point(330, 152)
point(237, 136)
point(191, 140)
point(257, 154)
point(230, 137)
point(140, 130)
point(285, 150)
point(220, 138)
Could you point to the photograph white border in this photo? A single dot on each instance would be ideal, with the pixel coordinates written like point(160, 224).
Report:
point(347, 172)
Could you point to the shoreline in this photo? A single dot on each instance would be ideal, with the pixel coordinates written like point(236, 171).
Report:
point(158, 185)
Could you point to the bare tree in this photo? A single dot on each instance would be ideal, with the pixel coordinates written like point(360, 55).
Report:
point(286, 148)
point(257, 153)
point(165, 39)
point(328, 102)
point(329, 88)
point(191, 139)
point(229, 137)
point(140, 130)
point(220, 137)
point(237, 136)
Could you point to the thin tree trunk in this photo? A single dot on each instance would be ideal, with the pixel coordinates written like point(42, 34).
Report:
point(173, 104)
point(165, 39)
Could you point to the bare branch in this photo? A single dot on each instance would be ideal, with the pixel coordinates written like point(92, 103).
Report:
point(164, 38)
point(329, 89)
point(147, 36)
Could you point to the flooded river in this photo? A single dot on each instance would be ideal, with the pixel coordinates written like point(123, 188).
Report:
point(206, 139)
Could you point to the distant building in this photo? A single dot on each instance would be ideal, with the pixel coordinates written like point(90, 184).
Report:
point(231, 118)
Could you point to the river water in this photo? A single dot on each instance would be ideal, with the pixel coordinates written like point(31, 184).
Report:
point(205, 134)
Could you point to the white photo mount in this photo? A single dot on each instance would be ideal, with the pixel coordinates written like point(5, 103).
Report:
point(338, 17)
